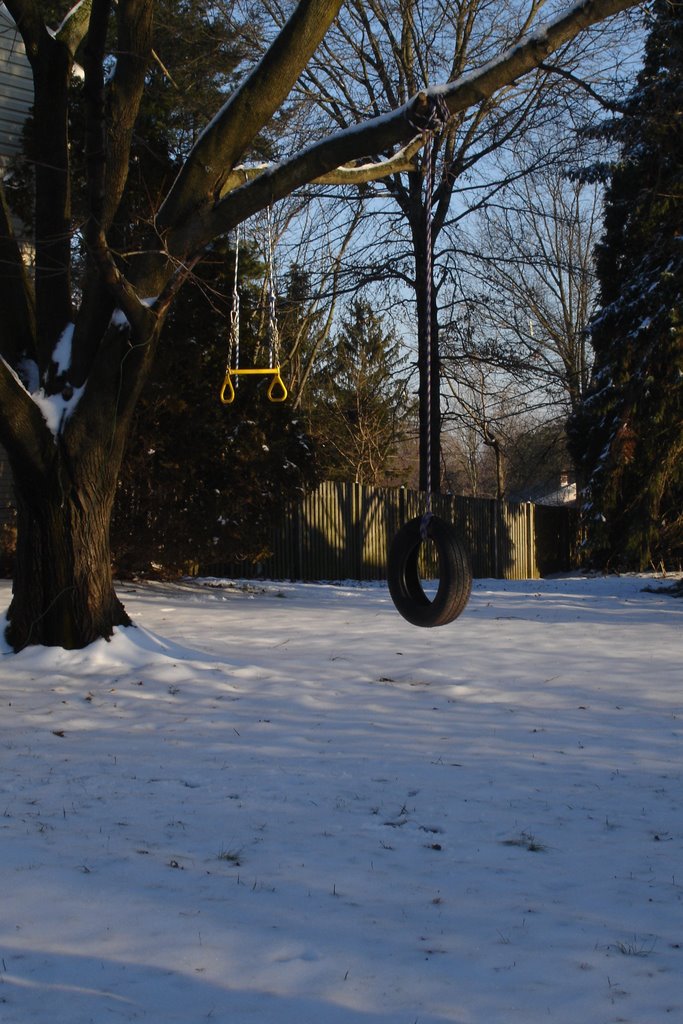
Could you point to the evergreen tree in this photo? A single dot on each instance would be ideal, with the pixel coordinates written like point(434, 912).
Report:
point(361, 411)
point(203, 483)
point(628, 435)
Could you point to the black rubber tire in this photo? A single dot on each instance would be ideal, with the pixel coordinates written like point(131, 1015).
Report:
point(455, 572)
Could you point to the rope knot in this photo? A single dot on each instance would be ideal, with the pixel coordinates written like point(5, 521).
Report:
point(429, 113)
point(424, 525)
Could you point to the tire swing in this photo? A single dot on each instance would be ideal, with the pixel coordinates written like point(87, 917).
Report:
point(277, 390)
point(455, 572)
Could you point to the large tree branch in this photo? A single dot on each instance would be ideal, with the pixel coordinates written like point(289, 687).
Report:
point(95, 131)
point(112, 109)
point(28, 18)
point(53, 195)
point(133, 55)
point(18, 321)
point(249, 108)
point(384, 133)
point(51, 64)
point(74, 26)
point(348, 174)
point(23, 430)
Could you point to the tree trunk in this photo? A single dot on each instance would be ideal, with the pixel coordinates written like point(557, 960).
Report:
point(63, 594)
point(499, 456)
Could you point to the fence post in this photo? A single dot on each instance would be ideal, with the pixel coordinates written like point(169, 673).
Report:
point(495, 547)
point(532, 568)
point(356, 519)
point(296, 574)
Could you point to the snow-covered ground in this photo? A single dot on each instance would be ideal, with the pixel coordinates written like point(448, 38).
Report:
point(295, 808)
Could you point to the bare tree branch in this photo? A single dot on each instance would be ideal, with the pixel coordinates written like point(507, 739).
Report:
point(383, 133)
point(581, 83)
point(348, 174)
point(249, 108)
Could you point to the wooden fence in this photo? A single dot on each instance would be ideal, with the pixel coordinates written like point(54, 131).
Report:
point(343, 531)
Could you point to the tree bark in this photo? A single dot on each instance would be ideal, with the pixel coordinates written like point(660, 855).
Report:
point(63, 592)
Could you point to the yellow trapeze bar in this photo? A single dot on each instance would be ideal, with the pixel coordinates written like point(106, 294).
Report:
point(277, 391)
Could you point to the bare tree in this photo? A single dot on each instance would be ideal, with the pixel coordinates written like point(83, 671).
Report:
point(500, 440)
point(521, 331)
point(536, 292)
point(76, 352)
point(376, 56)
point(485, 405)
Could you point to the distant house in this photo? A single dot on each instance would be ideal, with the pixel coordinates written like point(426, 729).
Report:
point(16, 98)
point(561, 491)
point(563, 494)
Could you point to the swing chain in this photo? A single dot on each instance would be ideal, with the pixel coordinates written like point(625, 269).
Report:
point(273, 332)
point(277, 390)
point(234, 332)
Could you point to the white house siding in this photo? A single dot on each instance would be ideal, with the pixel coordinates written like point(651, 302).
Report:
point(16, 98)
point(16, 87)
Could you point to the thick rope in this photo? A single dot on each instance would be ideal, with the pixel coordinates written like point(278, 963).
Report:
point(430, 127)
point(429, 267)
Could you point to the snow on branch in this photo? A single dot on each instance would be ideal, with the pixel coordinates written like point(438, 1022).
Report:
point(347, 174)
point(337, 155)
